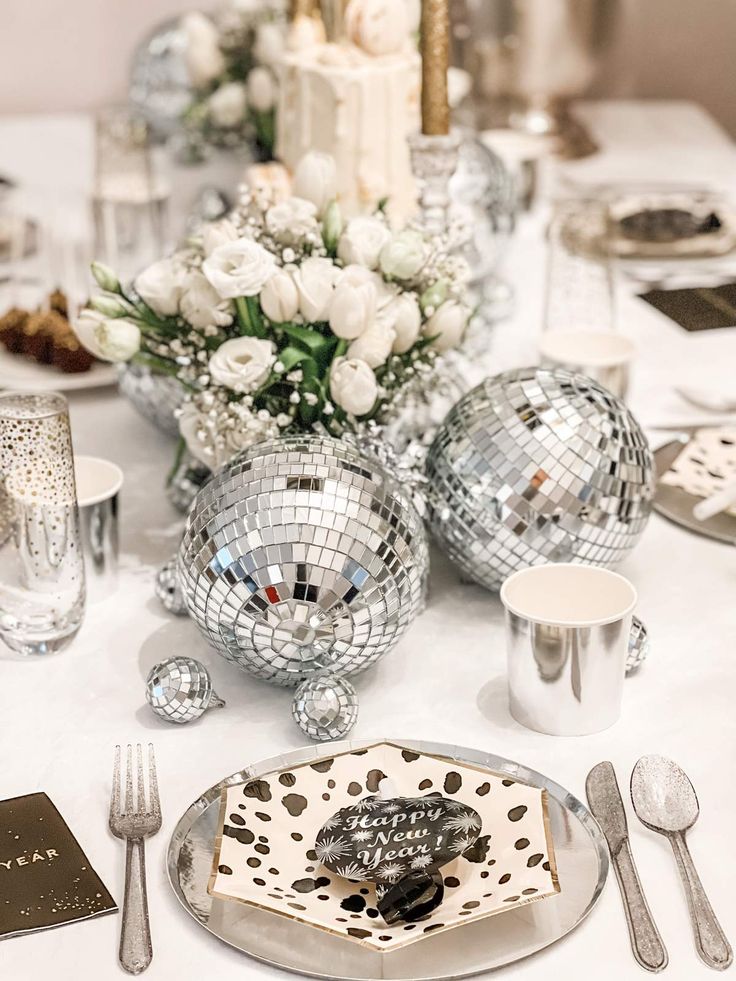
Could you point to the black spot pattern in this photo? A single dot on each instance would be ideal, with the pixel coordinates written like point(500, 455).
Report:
point(408, 756)
point(517, 813)
point(373, 780)
point(262, 816)
point(287, 779)
point(262, 849)
point(295, 804)
point(259, 789)
point(353, 904)
point(309, 885)
point(453, 782)
point(534, 860)
point(253, 862)
point(225, 869)
point(425, 784)
point(354, 789)
point(238, 819)
point(359, 933)
point(452, 881)
point(504, 878)
point(521, 843)
point(478, 850)
point(322, 766)
point(483, 789)
point(243, 835)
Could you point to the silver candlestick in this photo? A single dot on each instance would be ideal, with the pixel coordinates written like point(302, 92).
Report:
point(433, 161)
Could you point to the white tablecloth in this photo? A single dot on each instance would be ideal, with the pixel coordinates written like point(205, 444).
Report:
point(62, 716)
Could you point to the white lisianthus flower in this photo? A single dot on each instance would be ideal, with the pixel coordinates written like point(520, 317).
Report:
point(218, 233)
point(110, 340)
point(243, 363)
point(160, 286)
point(269, 44)
point(292, 220)
point(362, 241)
point(352, 309)
point(353, 385)
point(201, 305)
point(280, 298)
point(447, 325)
point(202, 54)
point(404, 255)
point(227, 105)
point(315, 179)
point(406, 318)
point(374, 344)
point(315, 281)
point(261, 87)
point(379, 27)
point(240, 268)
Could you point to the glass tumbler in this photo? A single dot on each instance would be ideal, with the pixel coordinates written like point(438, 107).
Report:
point(42, 588)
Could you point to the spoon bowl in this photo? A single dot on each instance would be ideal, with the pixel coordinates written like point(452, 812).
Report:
point(662, 795)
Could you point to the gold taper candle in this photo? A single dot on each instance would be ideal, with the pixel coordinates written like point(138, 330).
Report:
point(435, 42)
point(300, 8)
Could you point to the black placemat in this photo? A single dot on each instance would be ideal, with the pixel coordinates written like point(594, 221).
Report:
point(697, 308)
point(45, 877)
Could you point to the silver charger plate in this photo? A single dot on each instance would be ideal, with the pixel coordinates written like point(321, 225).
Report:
point(677, 505)
point(582, 864)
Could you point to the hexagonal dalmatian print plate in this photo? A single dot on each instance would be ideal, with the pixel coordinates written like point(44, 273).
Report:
point(264, 853)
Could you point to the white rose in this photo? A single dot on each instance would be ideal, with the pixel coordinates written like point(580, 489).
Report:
point(280, 298)
point(353, 385)
point(240, 268)
point(160, 286)
point(406, 318)
point(227, 105)
point(243, 363)
point(201, 305)
point(362, 241)
point(315, 179)
point(218, 233)
point(403, 256)
point(261, 89)
point(379, 27)
point(191, 424)
point(202, 54)
point(110, 340)
point(447, 325)
point(269, 44)
point(292, 220)
point(315, 281)
point(353, 309)
point(374, 344)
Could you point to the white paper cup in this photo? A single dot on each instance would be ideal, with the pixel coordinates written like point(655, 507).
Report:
point(603, 355)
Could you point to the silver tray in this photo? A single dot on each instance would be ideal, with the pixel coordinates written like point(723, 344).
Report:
point(677, 505)
point(582, 863)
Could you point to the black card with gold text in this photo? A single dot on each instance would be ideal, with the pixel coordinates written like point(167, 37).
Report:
point(45, 877)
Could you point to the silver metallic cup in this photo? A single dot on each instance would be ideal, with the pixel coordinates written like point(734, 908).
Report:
point(567, 638)
point(98, 493)
point(603, 355)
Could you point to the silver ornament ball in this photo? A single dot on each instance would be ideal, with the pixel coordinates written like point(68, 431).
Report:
point(538, 465)
point(325, 707)
point(639, 646)
point(180, 690)
point(302, 556)
point(168, 589)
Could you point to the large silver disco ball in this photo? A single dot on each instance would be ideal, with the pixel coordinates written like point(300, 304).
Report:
point(300, 556)
point(538, 465)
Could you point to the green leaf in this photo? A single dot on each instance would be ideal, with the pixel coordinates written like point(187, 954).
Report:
point(256, 317)
point(312, 340)
point(290, 357)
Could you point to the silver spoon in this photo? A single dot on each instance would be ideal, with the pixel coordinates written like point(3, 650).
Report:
point(665, 801)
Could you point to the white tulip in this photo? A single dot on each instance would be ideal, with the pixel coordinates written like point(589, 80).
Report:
point(353, 309)
point(202, 54)
point(110, 340)
point(201, 305)
point(406, 318)
point(109, 306)
point(292, 221)
point(353, 385)
point(315, 281)
point(355, 275)
point(269, 44)
point(374, 344)
point(243, 363)
point(280, 298)
point(227, 105)
point(379, 27)
point(85, 327)
point(362, 241)
point(447, 325)
point(315, 179)
point(218, 233)
point(404, 255)
point(160, 286)
point(240, 268)
point(261, 89)
point(105, 277)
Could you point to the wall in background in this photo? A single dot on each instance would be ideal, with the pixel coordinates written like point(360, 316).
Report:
point(74, 54)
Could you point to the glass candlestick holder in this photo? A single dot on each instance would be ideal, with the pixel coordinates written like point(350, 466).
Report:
point(433, 161)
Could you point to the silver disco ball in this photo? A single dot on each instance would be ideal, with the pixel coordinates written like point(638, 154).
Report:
point(160, 88)
point(538, 465)
point(300, 556)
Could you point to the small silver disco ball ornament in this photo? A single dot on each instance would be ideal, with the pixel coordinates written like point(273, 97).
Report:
point(160, 87)
point(302, 556)
point(325, 707)
point(154, 395)
point(168, 589)
point(180, 690)
point(639, 645)
point(538, 465)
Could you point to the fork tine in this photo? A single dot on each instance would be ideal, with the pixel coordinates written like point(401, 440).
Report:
point(129, 781)
point(115, 796)
point(141, 805)
point(153, 782)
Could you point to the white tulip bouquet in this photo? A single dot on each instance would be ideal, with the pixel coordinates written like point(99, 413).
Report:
point(230, 57)
point(283, 317)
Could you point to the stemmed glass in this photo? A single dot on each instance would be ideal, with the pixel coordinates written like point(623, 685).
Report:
point(42, 588)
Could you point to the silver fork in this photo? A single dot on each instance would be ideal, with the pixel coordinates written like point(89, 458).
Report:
point(135, 823)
